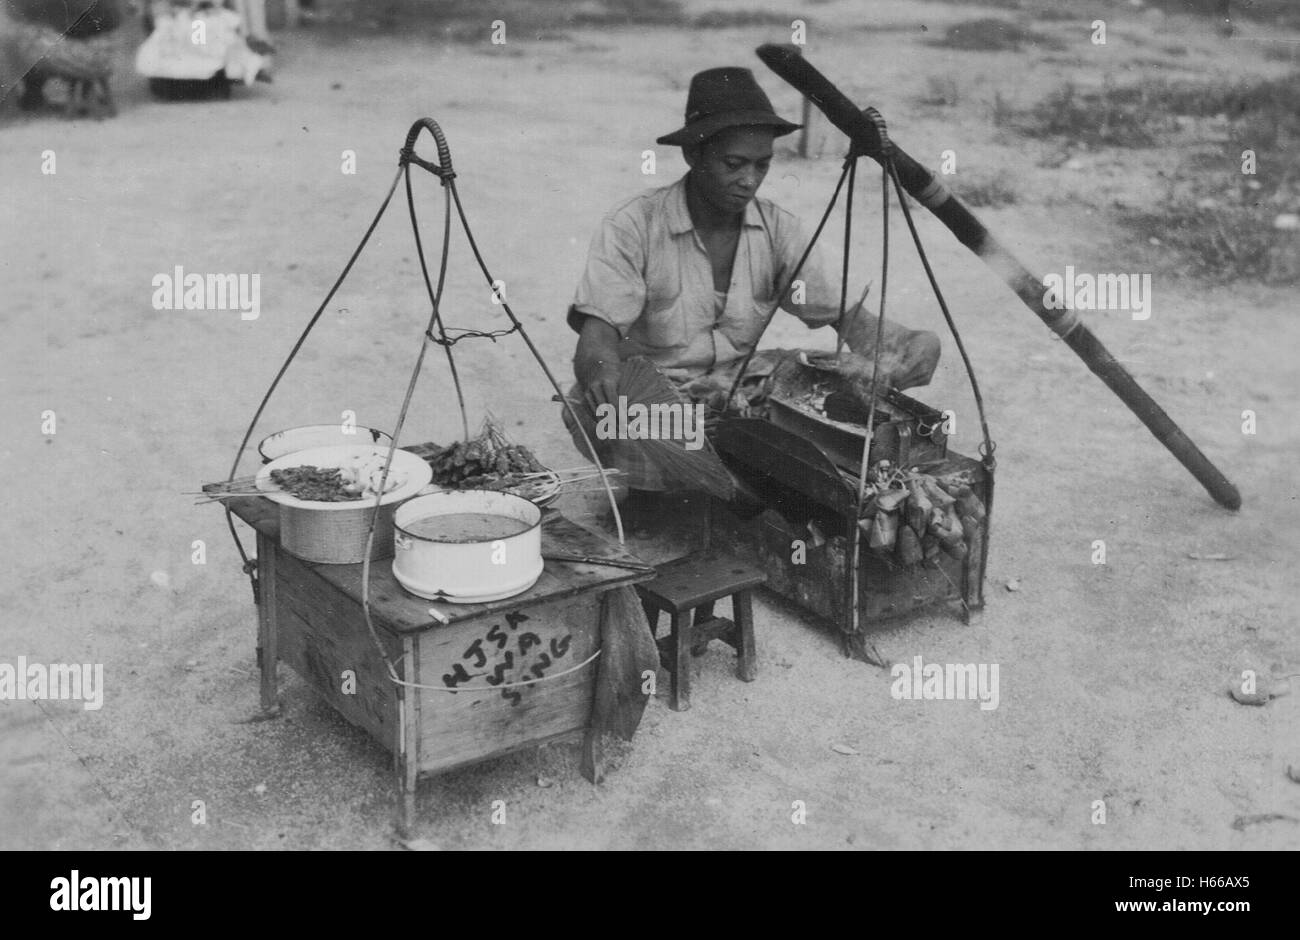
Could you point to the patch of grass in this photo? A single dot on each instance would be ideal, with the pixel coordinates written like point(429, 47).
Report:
point(1273, 97)
point(993, 35)
point(983, 190)
point(726, 19)
point(469, 20)
point(941, 91)
point(1275, 12)
point(1215, 223)
point(628, 12)
point(1002, 4)
point(1060, 13)
point(1139, 115)
point(1220, 244)
point(1119, 117)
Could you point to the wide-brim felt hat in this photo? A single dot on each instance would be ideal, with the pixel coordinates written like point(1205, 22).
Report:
point(722, 98)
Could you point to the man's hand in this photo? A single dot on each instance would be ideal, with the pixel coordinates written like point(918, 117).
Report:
point(602, 384)
point(908, 358)
point(596, 363)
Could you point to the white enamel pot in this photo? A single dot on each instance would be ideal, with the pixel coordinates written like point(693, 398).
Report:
point(336, 533)
point(467, 572)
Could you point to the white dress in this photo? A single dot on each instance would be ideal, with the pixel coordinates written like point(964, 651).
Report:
point(197, 44)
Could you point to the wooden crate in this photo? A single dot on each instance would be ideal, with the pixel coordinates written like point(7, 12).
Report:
point(488, 654)
point(819, 582)
point(318, 637)
point(311, 616)
point(322, 637)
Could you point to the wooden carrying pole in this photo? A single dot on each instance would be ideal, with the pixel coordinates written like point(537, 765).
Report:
point(868, 140)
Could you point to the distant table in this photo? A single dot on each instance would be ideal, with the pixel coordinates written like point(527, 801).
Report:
point(462, 703)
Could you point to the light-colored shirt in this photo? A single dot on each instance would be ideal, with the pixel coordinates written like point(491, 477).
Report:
point(649, 276)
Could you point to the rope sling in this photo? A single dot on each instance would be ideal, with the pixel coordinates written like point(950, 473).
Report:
point(443, 170)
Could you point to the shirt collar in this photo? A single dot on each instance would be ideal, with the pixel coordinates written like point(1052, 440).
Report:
point(679, 216)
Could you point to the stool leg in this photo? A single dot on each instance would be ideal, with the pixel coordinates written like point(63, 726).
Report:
point(405, 810)
point(743, 610)
point(703, 614)
point(681, 641)
point(652, 615)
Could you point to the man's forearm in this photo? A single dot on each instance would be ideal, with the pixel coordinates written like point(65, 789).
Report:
point(597, 347)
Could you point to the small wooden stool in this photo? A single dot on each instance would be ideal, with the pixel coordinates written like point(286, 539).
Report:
point(693, 584)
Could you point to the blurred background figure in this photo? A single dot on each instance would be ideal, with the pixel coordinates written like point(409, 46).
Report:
point(200, 47)
point(70, 41)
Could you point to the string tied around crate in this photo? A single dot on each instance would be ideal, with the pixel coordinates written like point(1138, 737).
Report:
point(519, 684)
point(442, 169)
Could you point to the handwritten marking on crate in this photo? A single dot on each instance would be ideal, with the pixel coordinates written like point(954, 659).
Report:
point(533, 659)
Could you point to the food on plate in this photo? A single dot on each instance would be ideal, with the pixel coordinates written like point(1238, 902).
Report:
point(491, 462)
point(358, 479)
point(476, 464)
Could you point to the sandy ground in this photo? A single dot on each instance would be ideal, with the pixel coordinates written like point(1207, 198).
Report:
point(1113, 677)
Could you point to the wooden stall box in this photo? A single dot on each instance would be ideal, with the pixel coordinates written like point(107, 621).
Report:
point(495, 677)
